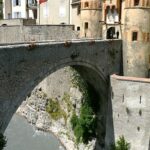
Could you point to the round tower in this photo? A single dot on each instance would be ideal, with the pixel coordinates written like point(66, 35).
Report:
point(90, 18)
point(136, 40)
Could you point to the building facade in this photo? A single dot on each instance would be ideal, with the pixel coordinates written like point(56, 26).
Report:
point(54, 12)
point(112, 19)
point(76, 15)
point(13, 9)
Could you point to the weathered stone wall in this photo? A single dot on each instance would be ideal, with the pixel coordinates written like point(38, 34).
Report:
point(19, 34)
point(13, 22)
point(136, 52)
point(90, 14)
point(131, 110)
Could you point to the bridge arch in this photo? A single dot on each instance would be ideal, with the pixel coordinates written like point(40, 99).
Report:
point(22, 67)
point(79, 65)
point(92, 74)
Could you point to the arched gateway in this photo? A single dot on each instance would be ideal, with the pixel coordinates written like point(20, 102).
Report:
point(23, 66)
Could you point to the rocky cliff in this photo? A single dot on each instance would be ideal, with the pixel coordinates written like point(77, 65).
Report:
point(51, 104)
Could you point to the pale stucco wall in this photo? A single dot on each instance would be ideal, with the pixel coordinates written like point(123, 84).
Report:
point(7, 9)
point(75, 17)
point(54, 12)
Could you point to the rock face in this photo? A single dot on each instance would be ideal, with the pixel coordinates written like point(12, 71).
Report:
point(58, 90)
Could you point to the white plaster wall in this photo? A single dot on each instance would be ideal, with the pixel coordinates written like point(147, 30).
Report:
point(31, 14)
point(21, 9)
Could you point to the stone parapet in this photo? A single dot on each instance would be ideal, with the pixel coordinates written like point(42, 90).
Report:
point(14, 22)
point(36, 33)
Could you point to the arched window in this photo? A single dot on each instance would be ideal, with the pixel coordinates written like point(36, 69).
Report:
point(86, 4)
point(107, 9)
point(113, 9)
point(136, 2)
point(110, 33)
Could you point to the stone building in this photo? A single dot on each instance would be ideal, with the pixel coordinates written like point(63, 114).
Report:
point(90, 18)
point(76, 15)
point(112, 19)
point(136, 42)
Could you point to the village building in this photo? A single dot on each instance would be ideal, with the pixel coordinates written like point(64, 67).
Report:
point(54, 12)
point(14, 9)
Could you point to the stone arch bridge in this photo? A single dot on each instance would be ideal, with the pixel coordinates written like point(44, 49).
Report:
point(23, 66)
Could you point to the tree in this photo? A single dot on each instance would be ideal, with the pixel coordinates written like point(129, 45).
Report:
point(2, 141)
point(121, 144)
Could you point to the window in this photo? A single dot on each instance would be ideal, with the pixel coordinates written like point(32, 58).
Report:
point(16, 2)
point(86, 25)
point(78, 28)
point(78, 10)
point(136, 2)
point(86, 4)
point(134, 36)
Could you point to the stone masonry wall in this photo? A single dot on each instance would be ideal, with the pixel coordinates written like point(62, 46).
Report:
point(131, 110)
point(13, 22)
point(19, 34)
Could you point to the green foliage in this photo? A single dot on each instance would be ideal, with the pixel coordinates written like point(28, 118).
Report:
point(78, 132)
point(84, 125)
point(54, 109)
point(74, 120)
point(121, 144)
point(2, 141)
point(66, 99)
